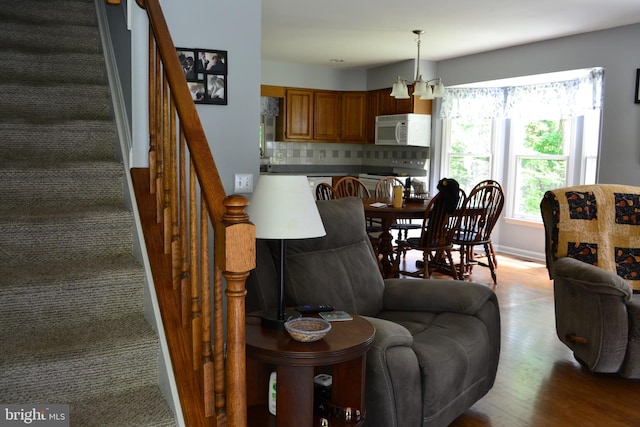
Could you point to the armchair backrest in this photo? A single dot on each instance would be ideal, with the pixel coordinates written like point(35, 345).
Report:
point(598, 224)
point(339, 269)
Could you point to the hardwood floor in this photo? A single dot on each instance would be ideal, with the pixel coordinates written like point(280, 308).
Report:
point(539, 383)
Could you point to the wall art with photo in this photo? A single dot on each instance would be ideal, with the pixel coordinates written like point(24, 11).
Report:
point(206, 74)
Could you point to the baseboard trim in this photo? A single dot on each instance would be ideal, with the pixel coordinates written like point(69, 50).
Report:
point(166, 379)
point(520, 253)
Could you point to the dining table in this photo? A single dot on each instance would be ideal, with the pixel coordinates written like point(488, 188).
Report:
point(381, 208)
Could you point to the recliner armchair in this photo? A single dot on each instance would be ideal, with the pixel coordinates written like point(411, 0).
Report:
point(592, 240)
point(437, 342)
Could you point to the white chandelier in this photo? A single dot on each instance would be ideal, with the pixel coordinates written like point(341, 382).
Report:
point(422, 88)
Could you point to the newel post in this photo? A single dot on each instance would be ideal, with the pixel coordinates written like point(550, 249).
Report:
point(236, 249)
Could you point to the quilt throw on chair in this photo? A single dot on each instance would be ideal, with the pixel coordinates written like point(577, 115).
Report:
point(598, 224)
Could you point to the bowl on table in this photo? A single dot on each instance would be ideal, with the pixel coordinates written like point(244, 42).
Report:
point(307, 329)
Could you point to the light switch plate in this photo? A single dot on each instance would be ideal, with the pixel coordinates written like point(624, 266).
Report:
point(243, 183)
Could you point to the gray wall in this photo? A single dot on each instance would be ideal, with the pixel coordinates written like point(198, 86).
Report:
point(617, 51)
point(121, 37)
point(232, 130)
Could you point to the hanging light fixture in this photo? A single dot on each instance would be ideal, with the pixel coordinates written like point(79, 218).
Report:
point(422, 88)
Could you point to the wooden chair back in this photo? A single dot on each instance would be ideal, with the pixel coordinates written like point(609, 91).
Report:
point(350, 186)
point(325, 191)
point(384, 187)
point(439, 226)
point(481, 212)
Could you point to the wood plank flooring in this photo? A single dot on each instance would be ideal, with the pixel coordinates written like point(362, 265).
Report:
point(539, 383)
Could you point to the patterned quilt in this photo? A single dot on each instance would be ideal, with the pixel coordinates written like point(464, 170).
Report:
point(598, 224)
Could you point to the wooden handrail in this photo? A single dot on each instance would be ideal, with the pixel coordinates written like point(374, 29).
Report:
point(192, 207)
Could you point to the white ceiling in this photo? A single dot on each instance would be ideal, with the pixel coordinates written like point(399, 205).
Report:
point(368, 33)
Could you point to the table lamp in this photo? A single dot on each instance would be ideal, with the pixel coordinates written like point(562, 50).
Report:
point(282, 207)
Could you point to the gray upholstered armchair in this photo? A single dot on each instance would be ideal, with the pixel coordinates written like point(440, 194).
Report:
point(592, 238)
point(437, 342)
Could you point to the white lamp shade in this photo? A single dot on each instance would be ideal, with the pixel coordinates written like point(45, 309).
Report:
point(428, 93)
point(421, 87)
point(282, 207)
point(438, 90)
point(400, 89)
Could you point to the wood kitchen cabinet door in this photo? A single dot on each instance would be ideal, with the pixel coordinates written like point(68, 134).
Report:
point(299, 114)
point(326, 116)
point(386, 103)
point(354, 115)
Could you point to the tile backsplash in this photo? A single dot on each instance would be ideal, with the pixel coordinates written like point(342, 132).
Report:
point(319, 153)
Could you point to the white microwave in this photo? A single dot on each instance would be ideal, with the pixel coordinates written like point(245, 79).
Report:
point(404, 129)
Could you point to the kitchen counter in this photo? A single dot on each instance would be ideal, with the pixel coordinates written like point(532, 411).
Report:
point(323, 170)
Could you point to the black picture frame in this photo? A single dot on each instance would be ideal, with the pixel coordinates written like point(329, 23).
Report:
point(206, 74)
point(637, 94)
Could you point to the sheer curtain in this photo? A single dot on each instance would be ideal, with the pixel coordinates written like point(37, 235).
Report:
point(562, 99)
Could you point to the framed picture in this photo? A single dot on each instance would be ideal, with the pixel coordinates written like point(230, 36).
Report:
point(206, 74)
point(637, 95)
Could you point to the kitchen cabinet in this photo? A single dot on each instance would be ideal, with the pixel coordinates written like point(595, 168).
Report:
point(298, 108)
point(389, 105)
point(353, 124)
point(326, 116)
point(309, 115)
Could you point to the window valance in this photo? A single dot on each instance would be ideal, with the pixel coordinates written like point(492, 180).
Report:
point(570, 98)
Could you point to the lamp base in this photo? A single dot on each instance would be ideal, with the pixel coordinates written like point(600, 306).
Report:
point(270, 319)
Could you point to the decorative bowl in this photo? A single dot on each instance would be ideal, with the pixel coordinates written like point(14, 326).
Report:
point(307, 329)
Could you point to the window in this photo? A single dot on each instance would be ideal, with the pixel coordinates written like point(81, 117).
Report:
point(470, 153)
point(540, 162)
point(530, 138)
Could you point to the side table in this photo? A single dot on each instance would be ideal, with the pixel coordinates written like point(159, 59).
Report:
point(343, 351)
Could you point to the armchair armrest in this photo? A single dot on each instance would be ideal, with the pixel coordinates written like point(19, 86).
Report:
point(393, 385)
point(591, 313)
point(435, 295)
point(590, 278)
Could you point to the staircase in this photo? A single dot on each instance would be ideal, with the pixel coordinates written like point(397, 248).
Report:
point(72, 326)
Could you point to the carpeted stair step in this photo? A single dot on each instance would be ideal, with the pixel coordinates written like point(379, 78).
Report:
point(29, 37)
point(63, 67)
point(69, 293)
point(48, 237)
point(29, 186)
point(114, 355)
point(140, 407)
point(41, 104)
point(66, 12)
point(61, 141)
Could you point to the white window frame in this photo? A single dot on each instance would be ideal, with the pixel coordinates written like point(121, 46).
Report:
point(504, 159)
point(494, 158)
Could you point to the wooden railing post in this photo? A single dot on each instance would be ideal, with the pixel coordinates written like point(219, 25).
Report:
point(236, 248)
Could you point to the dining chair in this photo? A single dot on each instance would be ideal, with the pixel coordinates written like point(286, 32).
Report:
point(325, 191)
point(439, 226)
point(384, 188)
point(496, 183)
point(481, 212)
point(351, 186)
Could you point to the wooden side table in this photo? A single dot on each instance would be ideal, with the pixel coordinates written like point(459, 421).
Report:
point(343, 351)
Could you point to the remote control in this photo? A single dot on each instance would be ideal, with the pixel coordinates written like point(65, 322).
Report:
point(308, 309)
